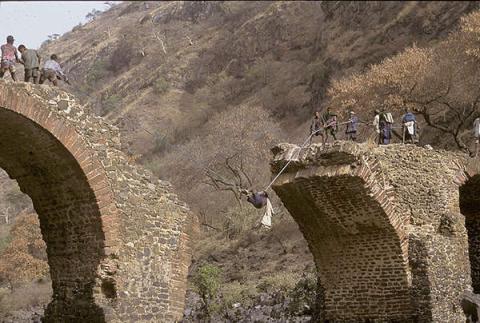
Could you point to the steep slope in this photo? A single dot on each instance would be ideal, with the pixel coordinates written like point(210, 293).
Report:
point(158, 69)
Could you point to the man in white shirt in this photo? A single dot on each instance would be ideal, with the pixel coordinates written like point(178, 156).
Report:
point(476, 134)
point(52, 71)
point(376, 126)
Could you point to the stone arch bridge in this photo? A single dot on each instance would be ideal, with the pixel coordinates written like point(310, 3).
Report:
point(118, 240)
point(394, 230)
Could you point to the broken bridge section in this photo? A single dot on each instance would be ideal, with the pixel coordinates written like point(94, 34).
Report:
point(118, 240)
point(386, 227)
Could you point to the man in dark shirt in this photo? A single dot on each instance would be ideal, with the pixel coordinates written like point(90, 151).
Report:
point(31, 63)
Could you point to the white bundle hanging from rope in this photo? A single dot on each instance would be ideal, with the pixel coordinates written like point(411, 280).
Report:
point(267, 216)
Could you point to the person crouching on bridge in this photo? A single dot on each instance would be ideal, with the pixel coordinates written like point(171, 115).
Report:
point(52, 71)
point(31, 64)
point(9, 58)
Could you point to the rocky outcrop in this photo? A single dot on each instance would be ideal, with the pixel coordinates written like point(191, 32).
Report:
point(118, 239)
point(389, 227)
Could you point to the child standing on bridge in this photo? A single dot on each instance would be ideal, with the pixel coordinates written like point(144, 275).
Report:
point(9, 58)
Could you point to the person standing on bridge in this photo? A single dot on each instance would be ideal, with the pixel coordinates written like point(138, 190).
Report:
point(476, 134)
point(409, 127)
point(9, 58)
point(352, 125)
point(316, 127)
point(31, 64)
point(330, 120)
point(376, 125)
point(385, 126)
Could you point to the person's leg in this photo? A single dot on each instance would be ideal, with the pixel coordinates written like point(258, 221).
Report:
point(13, 72)
point(51, 77)
point(333, 133)
point(27, 75)
point(36, 75)
point(42, 77)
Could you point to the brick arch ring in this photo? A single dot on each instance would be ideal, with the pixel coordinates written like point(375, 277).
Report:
point(118, 243)
point(347, 212)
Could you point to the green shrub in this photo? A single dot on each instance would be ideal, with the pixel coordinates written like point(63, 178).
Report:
point(303, 297)
point(109, 103)
point(237, 292)
point(161, 143)
point(160, 86)
point(238, 220)
point(4, 241)
point(282, 283)
point(207, 282)
point(97, 72)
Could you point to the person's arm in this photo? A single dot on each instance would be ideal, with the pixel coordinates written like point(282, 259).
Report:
point(16, 57)
point(58, 69)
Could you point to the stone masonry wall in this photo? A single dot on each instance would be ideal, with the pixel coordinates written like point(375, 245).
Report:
point(118, 241)
point(388, 221)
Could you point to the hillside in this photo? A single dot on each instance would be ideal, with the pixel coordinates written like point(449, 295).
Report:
point(192, 84)
point(160, 69)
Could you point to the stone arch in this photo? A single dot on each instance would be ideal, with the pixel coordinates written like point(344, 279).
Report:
point(72, 196)
point(469, 201)
point(346, 212)
point(118, 240)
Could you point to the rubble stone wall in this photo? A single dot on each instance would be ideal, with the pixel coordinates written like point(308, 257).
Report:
point(386, 226)
point(118, 240)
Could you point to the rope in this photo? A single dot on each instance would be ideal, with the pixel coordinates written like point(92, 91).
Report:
point(291, 158)
point(304, 145)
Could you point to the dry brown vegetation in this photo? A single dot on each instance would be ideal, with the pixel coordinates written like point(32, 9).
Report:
point(167, 73)
point(24, 258)
point(232, 152)
point(439, 83)
point(25, 285)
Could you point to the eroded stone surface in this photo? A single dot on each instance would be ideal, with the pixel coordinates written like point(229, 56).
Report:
point(386, 226)
point(118, 240)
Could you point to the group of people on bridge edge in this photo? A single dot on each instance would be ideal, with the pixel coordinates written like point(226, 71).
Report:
point(30, 59)
point(327, 125)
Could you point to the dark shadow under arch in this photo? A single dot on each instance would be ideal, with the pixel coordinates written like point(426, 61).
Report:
point(69, 215)
point(358, 254)
point(470, 208)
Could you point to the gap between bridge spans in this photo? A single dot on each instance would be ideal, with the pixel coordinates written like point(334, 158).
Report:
point(386, 226)
point(118, 242)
